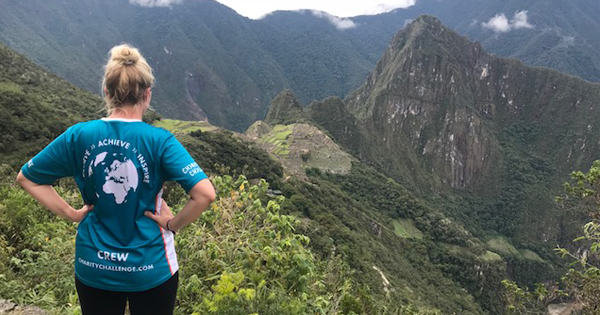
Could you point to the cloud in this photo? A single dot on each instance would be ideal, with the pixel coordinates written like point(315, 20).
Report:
point(339, 23)
point(155, 3)
point(389, 6)
point(501, 24)
point(498, 24)
point(520, 21)
point(568, 40)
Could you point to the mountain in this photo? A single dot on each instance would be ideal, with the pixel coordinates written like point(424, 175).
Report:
point(373, 246)
point(284, 109)
point(212, 62)
point(207, 59)
point(36, 106)
point(487, 140)
point(441, 115)
point(556, 34)
point(317, 57)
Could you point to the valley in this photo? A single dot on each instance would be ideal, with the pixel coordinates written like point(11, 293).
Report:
point(355, 174)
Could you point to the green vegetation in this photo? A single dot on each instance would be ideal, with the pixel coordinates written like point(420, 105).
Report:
point(241, 257)
point(502, 246)
point(406, 228)
point(36, 107)
point(487, 151)
point(278, 137)
point(580, 285)
point(338, 218)
point(223, 153)
point(285, 109)
point(360, 242)
point(207, 56)
point(269, 273)
point(490, 256)
point(180, 126)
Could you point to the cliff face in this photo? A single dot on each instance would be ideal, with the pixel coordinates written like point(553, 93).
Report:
point(439, 104)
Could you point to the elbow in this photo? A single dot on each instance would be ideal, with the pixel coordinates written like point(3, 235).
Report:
point(21, 179)
point(204, 190)
point(210, 195)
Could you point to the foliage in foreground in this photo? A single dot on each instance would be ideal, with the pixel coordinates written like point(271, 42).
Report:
point(241, 257)
point(581, 284)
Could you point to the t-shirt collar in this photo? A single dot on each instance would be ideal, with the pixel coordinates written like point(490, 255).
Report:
point(120, 119)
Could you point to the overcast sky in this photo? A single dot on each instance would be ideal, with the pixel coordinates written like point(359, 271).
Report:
point(257, 9)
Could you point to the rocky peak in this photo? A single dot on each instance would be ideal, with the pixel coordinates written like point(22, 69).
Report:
point(420, 96)
point(285, 109)
point(436, 103)
point(416, 52)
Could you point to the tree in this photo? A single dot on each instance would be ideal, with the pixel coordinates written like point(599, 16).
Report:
point(581, 283)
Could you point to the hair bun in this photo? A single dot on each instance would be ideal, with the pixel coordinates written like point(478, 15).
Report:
point(125, 54)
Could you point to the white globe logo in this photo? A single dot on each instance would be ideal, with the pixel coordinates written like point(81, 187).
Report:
point(120, 175)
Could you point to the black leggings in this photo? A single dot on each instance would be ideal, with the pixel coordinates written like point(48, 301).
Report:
point(156, 301)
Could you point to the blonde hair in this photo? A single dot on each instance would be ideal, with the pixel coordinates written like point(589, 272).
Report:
point(127, 76)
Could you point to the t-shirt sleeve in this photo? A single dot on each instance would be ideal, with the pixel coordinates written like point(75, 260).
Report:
point(54, 162)
point(178, 165)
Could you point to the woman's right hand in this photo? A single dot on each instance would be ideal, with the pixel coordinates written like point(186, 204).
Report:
point(78, 215)
point(50, 199)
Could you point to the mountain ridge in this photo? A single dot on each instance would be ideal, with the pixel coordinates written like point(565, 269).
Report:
point(483, 84)
point(376, 232)
point(211, 62)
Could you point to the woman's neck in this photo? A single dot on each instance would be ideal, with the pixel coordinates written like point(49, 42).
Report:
point(128, 112)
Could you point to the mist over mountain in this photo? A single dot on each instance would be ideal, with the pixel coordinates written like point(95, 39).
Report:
point(212, 62)
point(556, 34)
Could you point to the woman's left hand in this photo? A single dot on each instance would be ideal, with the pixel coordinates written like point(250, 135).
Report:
point(163, 216)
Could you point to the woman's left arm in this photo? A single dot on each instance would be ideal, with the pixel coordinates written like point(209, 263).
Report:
point(49, 198)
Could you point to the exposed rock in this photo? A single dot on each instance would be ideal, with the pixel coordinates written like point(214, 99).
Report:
point(384, 281)
point(436, 103)
point(563, 308)
point(10, 308)
point(6, 306)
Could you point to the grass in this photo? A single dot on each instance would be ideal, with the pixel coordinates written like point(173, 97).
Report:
point(181, 126)
point(490, 256)
point(503, 247)
point(278, 137)
point(9, 87)
point(405, 228)
point(530, 255)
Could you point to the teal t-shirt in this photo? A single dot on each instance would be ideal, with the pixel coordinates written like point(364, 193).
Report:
point(119, 166)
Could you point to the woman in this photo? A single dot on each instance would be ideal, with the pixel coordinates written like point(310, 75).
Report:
point(124, 247)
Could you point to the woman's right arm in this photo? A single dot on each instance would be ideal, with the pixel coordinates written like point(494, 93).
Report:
point(47, 196)
point(201, 196)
